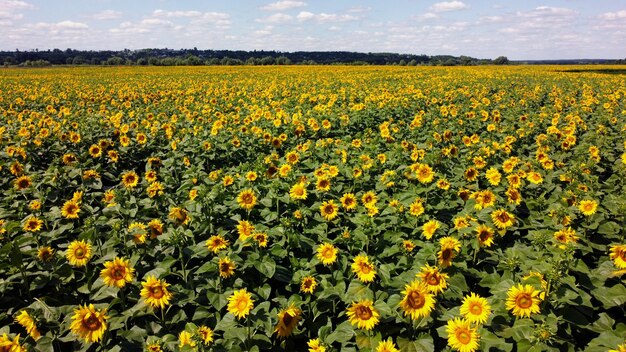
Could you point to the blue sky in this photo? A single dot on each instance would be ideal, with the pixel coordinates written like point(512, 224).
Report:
point(546, 29)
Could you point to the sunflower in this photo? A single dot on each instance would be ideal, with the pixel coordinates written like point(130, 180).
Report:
point(154, 347)
point(240, 303)
point(78, 253)
point(418, 302)
point(461, 335)
point(216, 243)
point(185, 338)
point(155, 189)
point(154, 291)
point(329, 210)
point(363, 269)
point(408, 245)
point(475, 309)
point(315, 345)
point(23, 182)
point(502, 219)
point(288, 318)
point(513, 196)
point(534, 178)
point(429, 228)
point(523, 300)
point(618, 255)
point(45, 253)
point(622, 347)
point(369, 198)
point(130, 179)
point(117, 272)
point(89, 323)
point(348, 201)
point(32, 224)
point(179, 216)
point(327, 253)
point(417, 207)
point(566, 235)
point(226, 267)
point(424, 173)
point(386, 346)
point(246, 199)
point(493, 176)
point(206, 334)
point(434, 280)
point(484, 234)
point(245, 230)
point(156, 228)
point(323, 184)
point(363, 315)
point(484, 199)
point(308, 284)
point(298, 191)
point(471, 174)
point(28, 323)
point(35, 205)
point(70, 209)
point(588, 207)
point(450, 246)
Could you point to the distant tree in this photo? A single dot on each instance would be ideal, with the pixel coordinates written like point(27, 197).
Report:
point(115, 61)
point(412, 63)
point(501, 60)
point(402, 62)
point(283, 60)
point(142, 61)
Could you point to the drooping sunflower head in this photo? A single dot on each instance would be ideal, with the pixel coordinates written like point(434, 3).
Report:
point(363, 314)
point(89, 323)
point(179, 216)
point(418, 301)
point(450, 247)
point(288, 319)
point(429, 228)
point(475, 309)
point(28, 323)
point(206, 334)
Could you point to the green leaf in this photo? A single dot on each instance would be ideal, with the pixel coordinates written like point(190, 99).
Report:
point(610, 297)
point(267, 267)
point(423, 343)
point(342, 334)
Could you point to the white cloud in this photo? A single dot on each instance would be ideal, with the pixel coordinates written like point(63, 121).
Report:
point(10, 5)
point(427, 16)
point(7, 16)
point(490, 19)
point(71, 25)
point(448, 6)
point(283, 5)
point(609, 16)
point(304, 16)
point(359, 9)
point(276, 18)
point(169, 14)
point(107, 15)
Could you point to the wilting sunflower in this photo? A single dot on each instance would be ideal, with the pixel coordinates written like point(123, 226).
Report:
point(386, 346)
point(155, 292)
point(26, 321)
point(418, 302)
point(327, 253)
point(288, 319)
point(484, 234)
point(179, 216)
point(156, 228)
point(429, 228)
point(117, 272)
point(298, 191)
point(246, 199)
point(315, 345)
point(434, 280)
point(588, 207)
point(70, 209)
point(329, 210)
point(89, 323)
point(618, 255)
point(308, 284)
point(450, 246)
point(22, 182)
point(523, 300)
point(240, 303)
point(130, 179)
point(32, 224)
point(226, 267)
point(363, 269)
point(461, 336)
point(348, 201)
point(78, 253)
point(475, 309)
point(502, 219)
point(206, 334)
point(216, 243)
point(45, 253)
point(363, 315)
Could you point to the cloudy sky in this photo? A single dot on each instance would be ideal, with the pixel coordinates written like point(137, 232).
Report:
point(531, 29)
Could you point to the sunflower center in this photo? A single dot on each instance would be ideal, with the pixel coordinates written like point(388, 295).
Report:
point(524, 300)
point(79, 253)
point(365, 268)
point(287, 319)
point(476, 309)
point(433, 279)
point(483, 236)
point(463, 336)
point(446, 254)
point(156, 292)
point(415, 300)
point(242, 305)
point(119, 273)
point(503, 217)
point(364, 313)
point(91, 322)
point(327, 253)
point(224, 267)
point(246, 198)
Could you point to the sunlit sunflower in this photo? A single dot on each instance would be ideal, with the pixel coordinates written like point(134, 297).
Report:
point(502, 219)
point(622, 347)
point(523, 300)
point(323, 184)
point(434, 280)
point(246, 199)
point(32, 224)
point(45, 253)
point(329, 210)
point(450, 246)
point(417, 207)
point(484, 234)
point(216, 243)
point(70, 209)
point(315, 345)
point(226, 267)
point(156, 228)
point(206, 334)
point(471, 174)
point(308, 284)
point(155, 292)
point(240, 303)
point(327, 253)
point(588, 207)
point(348, 201)
point(298, 191)
point(28, 323)
point(386, 346)
point(288, 319)
point(185, 338)
point(475, 309)
point(363, 314)
point(117, 272)
point(493, 176)
point(461, 336)
point(22, 182)
point(89, 323)
point(417, 302)
point(245, 230)
point(179, 216)
point(78, 253)
point(369, 198)
point(429, 228)
point(95, 151)
point(130, 179)
point(618, 255)
point(566, 235)
point(363, 269)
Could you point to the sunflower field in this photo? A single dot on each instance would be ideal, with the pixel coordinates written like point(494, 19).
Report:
point(313, 208)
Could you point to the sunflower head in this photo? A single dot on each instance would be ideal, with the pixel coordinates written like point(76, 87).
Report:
point(117, 272)
point(475, 309)
point(461, 335)
point(78, 253)
point(89, 323)
point(288, 319)
point(308, 284)
point(418, 301)
point(155, 292)
point(240, 303)
point(363, 314)
point(523, 300)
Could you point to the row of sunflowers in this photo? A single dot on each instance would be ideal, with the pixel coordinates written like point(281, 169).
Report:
point(320, 208)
